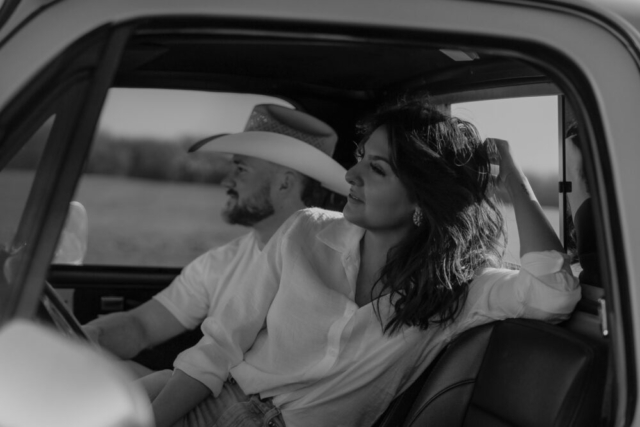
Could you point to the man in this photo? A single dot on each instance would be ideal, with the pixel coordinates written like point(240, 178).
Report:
point(586, 246)
point(280, 161)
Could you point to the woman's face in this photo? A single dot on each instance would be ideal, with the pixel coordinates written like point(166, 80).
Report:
point(377, 201)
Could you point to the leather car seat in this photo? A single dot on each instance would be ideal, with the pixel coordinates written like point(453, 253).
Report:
point(516, 372)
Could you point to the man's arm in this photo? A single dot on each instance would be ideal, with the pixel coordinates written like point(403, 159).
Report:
point(127, 333)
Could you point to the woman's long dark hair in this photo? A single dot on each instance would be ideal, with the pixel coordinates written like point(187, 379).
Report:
point(446, 169)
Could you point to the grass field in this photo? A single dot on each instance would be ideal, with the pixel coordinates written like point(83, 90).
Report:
point(141, 222)
point(134, 221)
point(154, 223)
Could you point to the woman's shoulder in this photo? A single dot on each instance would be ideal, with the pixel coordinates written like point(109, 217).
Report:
point(317, 217)
point(310, 220)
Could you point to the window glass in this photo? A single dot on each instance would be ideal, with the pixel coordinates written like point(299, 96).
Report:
point(16, 180)
point(148, 201)
point(531, 127)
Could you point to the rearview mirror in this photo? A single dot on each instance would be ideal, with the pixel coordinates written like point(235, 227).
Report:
point(72, 245)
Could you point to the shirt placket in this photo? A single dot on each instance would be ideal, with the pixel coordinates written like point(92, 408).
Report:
point(350, 262)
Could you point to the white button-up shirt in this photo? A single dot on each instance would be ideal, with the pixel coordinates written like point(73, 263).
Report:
point(196, 292)
point(293, 331)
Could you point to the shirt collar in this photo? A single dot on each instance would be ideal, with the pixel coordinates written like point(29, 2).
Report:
point(341, 235)
point(344, 237)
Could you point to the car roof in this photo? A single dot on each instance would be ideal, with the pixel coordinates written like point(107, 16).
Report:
point(319, 70)
point(312, 64)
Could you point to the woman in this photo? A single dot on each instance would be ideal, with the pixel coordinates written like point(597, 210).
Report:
point(345, 311)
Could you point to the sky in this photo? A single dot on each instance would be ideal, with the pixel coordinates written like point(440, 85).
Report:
point(170, 115)
point(529, 124)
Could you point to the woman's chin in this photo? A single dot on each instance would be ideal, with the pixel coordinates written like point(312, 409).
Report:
point(351, 216)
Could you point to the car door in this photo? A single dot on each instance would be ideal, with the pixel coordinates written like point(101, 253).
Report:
point(53, 106)
point(589, 53)
point(45, 132)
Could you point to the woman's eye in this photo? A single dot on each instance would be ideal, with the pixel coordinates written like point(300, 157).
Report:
point(377, 169)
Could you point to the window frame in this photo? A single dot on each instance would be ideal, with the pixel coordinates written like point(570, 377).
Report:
point(79, 81)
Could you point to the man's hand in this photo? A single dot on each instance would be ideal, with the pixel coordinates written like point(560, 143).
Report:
point(93, 333)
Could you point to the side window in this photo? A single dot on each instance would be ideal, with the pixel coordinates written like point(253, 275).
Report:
point(32, 153)
point(531, 126)
point(16, 181)
point(148, 201)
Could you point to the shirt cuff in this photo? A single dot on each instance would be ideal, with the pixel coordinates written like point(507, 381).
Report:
point(175, 311)
point(551, 286)
point(545, 262)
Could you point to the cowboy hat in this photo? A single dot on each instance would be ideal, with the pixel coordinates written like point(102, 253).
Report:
point(288, 138)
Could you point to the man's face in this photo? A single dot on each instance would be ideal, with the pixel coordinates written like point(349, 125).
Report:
point(249, 190)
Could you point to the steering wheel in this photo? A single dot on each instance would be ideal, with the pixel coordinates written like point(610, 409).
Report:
point(53, 310)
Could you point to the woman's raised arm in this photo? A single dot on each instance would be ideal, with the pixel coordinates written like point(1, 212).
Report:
point(534, 229)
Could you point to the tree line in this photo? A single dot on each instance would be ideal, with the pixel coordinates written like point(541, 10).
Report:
point(158, 160)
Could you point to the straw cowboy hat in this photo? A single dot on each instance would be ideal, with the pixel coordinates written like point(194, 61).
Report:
point(286, 137)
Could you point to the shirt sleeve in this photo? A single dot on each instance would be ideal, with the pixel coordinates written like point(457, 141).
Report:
point(230, 331)
point(187, 297)
point(544, 288)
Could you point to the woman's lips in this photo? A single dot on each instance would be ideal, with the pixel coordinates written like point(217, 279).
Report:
point(355, 198)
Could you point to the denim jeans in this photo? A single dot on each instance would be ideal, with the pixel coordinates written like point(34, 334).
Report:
point(253, 413)
point(232, 408)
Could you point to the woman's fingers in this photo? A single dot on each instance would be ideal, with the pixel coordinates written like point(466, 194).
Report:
point(507, 164)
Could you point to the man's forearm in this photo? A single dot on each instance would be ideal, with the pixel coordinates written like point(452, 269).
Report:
point(119, 333)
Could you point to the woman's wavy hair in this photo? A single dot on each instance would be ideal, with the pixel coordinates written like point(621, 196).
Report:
point(446, 169)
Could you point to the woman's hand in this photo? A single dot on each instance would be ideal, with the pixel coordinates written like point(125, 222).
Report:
point(508, 166)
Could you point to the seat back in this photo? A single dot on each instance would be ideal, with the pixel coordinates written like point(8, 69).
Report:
point(513, 373)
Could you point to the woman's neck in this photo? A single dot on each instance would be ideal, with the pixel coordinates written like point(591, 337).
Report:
point(374, 248)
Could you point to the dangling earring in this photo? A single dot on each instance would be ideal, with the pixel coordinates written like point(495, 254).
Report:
point(417, 217)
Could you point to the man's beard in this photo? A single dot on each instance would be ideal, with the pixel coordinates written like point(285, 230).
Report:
point(250, 211)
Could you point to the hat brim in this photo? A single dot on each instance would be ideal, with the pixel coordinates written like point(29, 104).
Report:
point(282, 150)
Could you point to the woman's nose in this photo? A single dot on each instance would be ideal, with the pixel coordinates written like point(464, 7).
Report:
point(353, 175)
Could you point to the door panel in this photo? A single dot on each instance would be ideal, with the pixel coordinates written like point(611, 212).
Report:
point(93, 291)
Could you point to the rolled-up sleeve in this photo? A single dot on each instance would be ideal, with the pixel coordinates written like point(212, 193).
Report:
point(186, 297)
point(544, 288)
point(227, 335)
point(232, 329)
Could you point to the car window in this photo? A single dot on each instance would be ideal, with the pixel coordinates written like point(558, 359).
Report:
point(530, 124)
point(148, 201)
point(16, 180)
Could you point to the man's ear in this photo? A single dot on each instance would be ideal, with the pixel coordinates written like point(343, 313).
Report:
point(288, 180)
